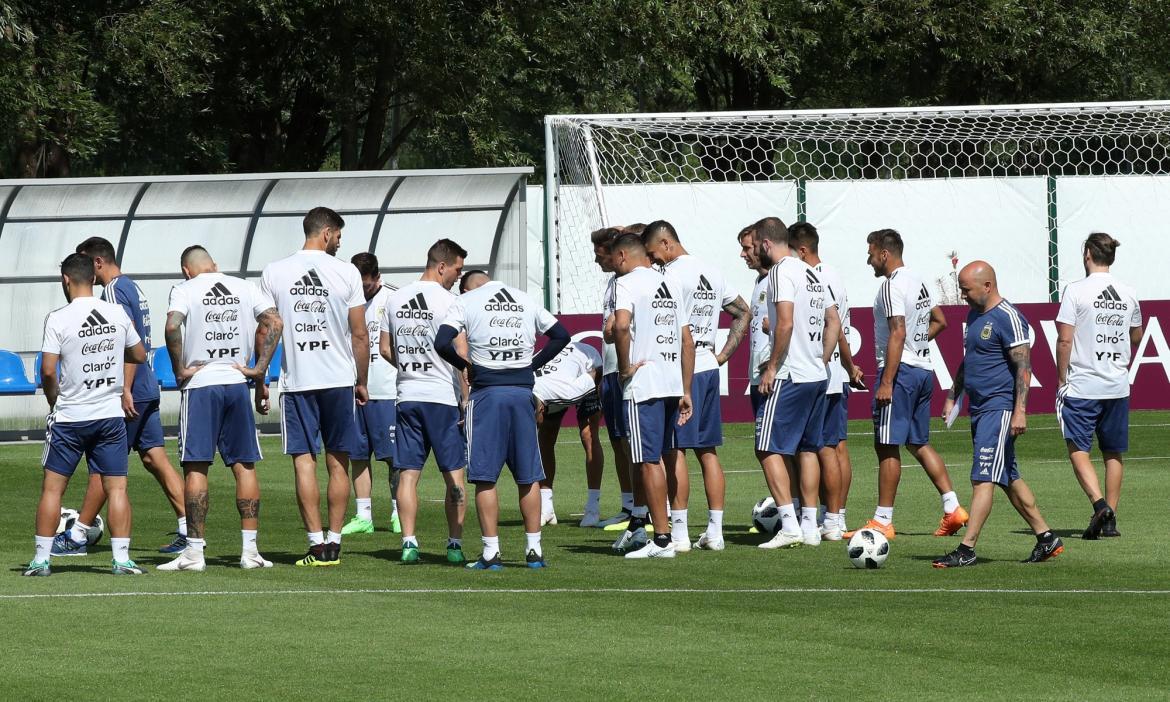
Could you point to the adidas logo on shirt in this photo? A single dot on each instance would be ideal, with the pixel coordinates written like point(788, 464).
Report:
point(95, 325)
point(704, 291)
point(662, 299)
point(415, 308)
point(923, 298)
point(814, 283)
point(220, 295)
point(309, 284)
point(1110, 300)
point(503, 302)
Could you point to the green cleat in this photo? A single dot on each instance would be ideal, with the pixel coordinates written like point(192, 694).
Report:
point(357, 525)
point(126, 568)
point(410, 554)
point(455, 555)
point(395, 524)
point(37, 569)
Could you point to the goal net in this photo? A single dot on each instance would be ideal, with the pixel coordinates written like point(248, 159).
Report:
point(956, 181)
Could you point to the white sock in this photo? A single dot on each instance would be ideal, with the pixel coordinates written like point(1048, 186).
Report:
point(491, 547)
point(44, 547)
point(808, 518)
point(678, 525)
point(452, 542)
point(715, 523)
point(364, 509)
point(640, 512)
point(950, 501)
point(831, 520)
point(248, 541)
point(841, 516)
point(628, 501)
point(78, 532)
point(332, 537)
point(788, 523)
point(121, 549)
point(394, 504)
point(409, 539)
point(884, 515)
point(533, 543)
point(182, 526)
point(593, 501)
point(196, 545)
point(316, 538)
point(546, 501)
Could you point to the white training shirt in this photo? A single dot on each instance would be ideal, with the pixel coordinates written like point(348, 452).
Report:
point(793, 280)
point(219, 326)
point(657, 304)
point(709, 295)
point(382, 378)
point(835, 295)
point(608, 351)
point(568, 377)
point(412, 316)
point(91, 337)
point(1102, 310)
point(903, 294)
point(314, 293)
point(501, 324)
point(759, 341)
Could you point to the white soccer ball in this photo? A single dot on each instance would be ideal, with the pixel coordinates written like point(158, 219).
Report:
point(68, 516)
point(868, 548)
point(765, 516)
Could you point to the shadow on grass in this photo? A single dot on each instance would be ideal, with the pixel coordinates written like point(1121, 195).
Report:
point(918, 557)
point(57, 567)
point(596, 548)
point(1062, 533)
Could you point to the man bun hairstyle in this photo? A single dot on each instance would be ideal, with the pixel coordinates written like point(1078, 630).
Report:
point(320, 218)
point(1102, 248)
point(886, 240)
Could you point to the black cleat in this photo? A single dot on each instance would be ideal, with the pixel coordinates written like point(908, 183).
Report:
point(1097, 523)
point(1109, 529)
point(1043, 551)
point(955, 559)
point(532, 560)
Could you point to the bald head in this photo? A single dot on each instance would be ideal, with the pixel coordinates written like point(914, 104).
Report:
point(978, 286)
point(196, 260)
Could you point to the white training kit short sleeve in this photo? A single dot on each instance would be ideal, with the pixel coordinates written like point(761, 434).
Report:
point(709, 295)
point(91, 337)
point(792, 280)
point(412, 316)
point(1101, 310)
point(903, 294)
point(656, 304)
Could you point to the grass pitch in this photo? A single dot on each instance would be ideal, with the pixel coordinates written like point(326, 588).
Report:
point(742, 623)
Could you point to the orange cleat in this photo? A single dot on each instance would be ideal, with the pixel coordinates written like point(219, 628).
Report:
point(951, 523)
point(887, 530)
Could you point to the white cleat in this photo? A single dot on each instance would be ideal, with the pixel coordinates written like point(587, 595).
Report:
point(832, 531)
point(653, 550)
point(681, 545)
point(812, 537)
point(547, 518)
point(631, 540)
point(706, 543)
point(783, 540)
point(591, 519)
point(253, 559)
point(186, 560)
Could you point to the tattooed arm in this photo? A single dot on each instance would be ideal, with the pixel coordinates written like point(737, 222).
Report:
point(173, 333)
point(1021, 358)
point(741, 319)
point(268, 330)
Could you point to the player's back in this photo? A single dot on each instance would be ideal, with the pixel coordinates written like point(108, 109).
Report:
point(90, 336)
point(657, 306)
point(314, 292)
point(501, 324)
point(1102, 310)
point(125, 292)
point(382, 379)
point(793, 280)
point(904, 294)
point(708, 291)
point(413, 315)
point(569, 375)
point(220, 325)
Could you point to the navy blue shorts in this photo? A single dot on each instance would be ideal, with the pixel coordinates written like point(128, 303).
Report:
point(145, 431)
point(375, 431)
point(326, 414)
point(501, 428)
point(836, 417)
point(906, 420)
point(1080, 419)
point(994, 457)
point(218, 416)
point(756, 397)
point(792, 418)
point(652, 425)
point(705, 428)
point(613, 407)
point(101, 441)
point(426, 427)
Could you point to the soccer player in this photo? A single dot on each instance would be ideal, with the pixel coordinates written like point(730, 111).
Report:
point(790, 422)
point(501, 324)
point(836, 468)
point(326, 345)
point(759, 342)
point(209, 343)
point(91, 339)
point(704, 433)
point(995, 374)
point(375, 419)
point(140, 401)
point(429, 395)
point(905, 322)
point(1098, 325)
point(570, 380)
point(656, 361)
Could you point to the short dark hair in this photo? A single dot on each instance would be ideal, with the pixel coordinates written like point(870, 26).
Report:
point(604, 237)
point(1102, 248)
point(628, 242)
point(804, 234)
point(886, 240)
point(772, 229)
point(319, 218)
point(444, 251)
point(367, 264)
point(78, 267)
point(636, 228)
point(746, 231)
point(467, 276)
point(188, 251)
point(657, 228)
point(97, 247)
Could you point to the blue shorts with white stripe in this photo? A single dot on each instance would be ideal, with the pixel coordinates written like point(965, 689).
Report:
point(993, 459)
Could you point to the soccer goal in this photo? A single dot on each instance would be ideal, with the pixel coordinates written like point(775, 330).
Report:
point(1020, 185)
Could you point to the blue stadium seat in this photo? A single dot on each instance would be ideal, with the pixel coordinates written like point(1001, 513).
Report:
point(274, 367)
point(12, 378)
point(163, 369)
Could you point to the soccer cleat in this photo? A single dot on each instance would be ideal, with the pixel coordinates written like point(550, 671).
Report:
point(631, 540)
point(1096, 524)
point(253, 559)
point(481, 564)
point(784, 540)
point(357, 525)
point(37, 569)
point(187, 560)
point(1109, 530)
point(395, 524)
point(1043, 551)
point(887, 530)
point(682, 545)
point(591, 518)
point(126, 568)
point(332, 555)
point(455, 555)
point(65, 546)
point(653, 550)
point(618, 522)
point(547, 518)
point(315, 557)
point(176, 545)
point(954, 559)
point(410, 553)
point(811, 537)
point(950, 523)
point(534, 560)
point(706, 543)
point(832, 531)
